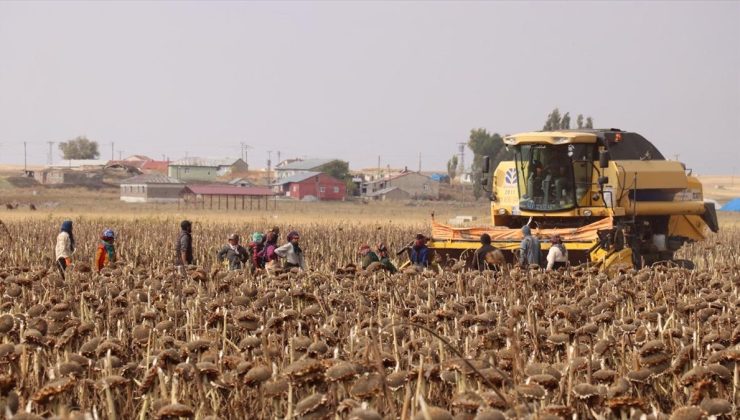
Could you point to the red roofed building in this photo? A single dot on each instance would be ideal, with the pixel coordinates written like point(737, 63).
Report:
point(312, 184)
point(155, 166)
point(226, 197)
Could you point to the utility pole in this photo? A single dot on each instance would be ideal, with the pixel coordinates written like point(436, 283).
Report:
point(419, 161)
point(120, 155)
point(269, 165)
point(25, 167)
point(50, 156)
point(278, 159)
point(112, 144)
point(461, 158)
point(377, 176)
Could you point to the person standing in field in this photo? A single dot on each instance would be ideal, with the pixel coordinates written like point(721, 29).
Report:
point(65, 247)
point(235, 254)
point(529, 250)
point(292, 252)
point(256, 250)
point(268, 255)
point(106, 253)
point(184, 246)
point(557, 256)
point(481, 256)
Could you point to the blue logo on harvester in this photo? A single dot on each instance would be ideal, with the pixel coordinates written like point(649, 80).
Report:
point(510, 178)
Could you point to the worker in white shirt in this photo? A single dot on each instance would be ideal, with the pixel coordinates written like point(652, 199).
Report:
point(557, 256)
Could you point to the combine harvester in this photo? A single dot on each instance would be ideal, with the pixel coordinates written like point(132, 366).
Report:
point(610, 194)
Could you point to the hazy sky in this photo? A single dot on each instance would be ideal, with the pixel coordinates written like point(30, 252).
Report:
point(356, 80)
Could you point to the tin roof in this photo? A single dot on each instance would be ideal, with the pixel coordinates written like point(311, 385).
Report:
point(211, 163)
point(151, 179)
point(304, 165)
point(385, 191)
point(228, 190)
point(299, 177)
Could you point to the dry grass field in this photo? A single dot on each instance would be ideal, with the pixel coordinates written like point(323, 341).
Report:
point(138, 341)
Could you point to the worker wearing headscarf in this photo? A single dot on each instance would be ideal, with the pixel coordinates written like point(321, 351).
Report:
point(529, 248)
point(292, 252)
point(65, 246)
point(106, 253)
point(557, 256)
point(368, 256)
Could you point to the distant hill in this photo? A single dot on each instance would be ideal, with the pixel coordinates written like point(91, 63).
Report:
point(722, 188)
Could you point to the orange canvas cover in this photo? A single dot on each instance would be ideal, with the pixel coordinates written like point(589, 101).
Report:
point(441, 232)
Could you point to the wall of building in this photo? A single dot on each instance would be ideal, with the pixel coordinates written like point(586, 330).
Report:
point(133, 193)
point(415, 184)
point(161, 193)
point(193, 173)
point(320, 186)
point(151, 193)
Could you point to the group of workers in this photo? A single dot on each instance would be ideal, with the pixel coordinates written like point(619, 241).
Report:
point(263, 251)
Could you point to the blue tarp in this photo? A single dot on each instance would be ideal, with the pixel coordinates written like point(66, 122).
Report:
point(439, 177)
point(732, 205)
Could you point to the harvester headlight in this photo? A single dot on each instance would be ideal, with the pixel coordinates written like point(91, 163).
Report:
point(587, 213)
point(502, 211)
point(560, 140)
point(510, 140)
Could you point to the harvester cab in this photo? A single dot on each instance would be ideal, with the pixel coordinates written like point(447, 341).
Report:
point(611, 196)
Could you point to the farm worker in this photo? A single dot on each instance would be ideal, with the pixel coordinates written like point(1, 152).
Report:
point(184, 246)
point(65, 247)
point(557, 256)
point(419, 252)
point(484, 261)
point(292, 252)
point(529, 248)
point(385, 259)
point(106, 253)
point(256, 248)
point(235, 254)
point(270, 245)
point(368, 256)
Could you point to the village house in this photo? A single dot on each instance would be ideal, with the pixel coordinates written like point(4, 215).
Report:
point(389, 194)
point(305, 185)
point(199, 169)
point(415, 184)
point(151, 188)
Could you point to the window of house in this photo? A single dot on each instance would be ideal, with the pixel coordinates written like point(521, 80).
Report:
point(295, 188)
point(336, 189)
point(426, 187)
point(322, 189)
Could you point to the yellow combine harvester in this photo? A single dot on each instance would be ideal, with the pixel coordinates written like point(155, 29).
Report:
point(610, 194)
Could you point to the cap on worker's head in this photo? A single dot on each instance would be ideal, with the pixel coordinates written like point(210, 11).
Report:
point(234, 237)
point(364, 249)
point(293, 234)
point(420, 237)
point(257, 237)
point(526, 230)
point(485, 239)
point(185, 225)
point(109, 234)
